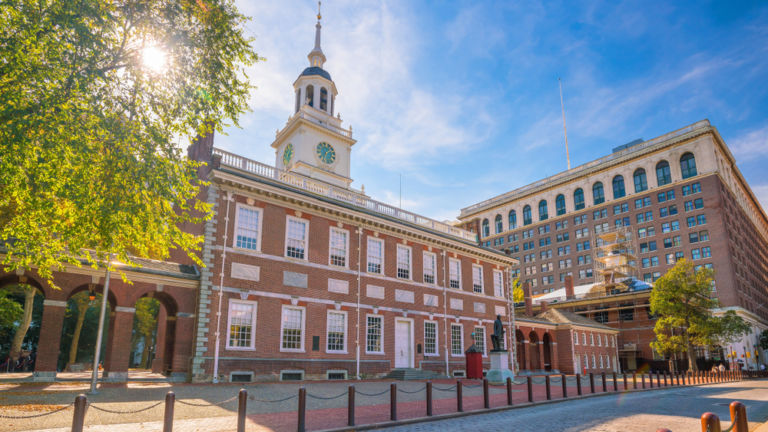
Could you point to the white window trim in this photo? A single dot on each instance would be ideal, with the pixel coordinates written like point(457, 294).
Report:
point(346, 331)
point(253, 327)
point(461, 326)
point(583, 338)
point(346, 247)
point(433, 257)
point(485, 337)
point(592, 339)
point(367, 256)
point(303, 328)
point(410, 261)
point(482, 282)
point(306, 239)
point(437, 339)
point(382, 334)
point(457, 261)
point(576, 339)
point(501, 282)
point(260, 211)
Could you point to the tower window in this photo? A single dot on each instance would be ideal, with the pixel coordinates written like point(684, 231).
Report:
point(310, 98)
point(323, 99)
point(298, 99)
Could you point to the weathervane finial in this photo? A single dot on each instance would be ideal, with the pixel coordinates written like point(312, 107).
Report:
point(318, 11)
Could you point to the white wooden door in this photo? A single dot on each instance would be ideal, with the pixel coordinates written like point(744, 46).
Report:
point(403, 344)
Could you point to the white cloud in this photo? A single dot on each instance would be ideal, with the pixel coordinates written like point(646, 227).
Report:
point(751, 145)
point(761, 191)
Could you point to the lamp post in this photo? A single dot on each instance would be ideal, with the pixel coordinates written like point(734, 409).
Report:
point(100, 333)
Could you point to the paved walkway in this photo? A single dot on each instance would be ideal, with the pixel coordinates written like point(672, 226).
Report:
point(271, 406)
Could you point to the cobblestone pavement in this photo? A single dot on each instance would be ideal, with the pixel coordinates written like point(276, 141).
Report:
point(678, 409)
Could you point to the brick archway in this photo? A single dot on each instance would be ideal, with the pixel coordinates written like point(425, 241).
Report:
point(533, 347)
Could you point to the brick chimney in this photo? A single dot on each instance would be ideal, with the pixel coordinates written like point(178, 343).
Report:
point(543, 305)
point(528, 300)
point(569, 294)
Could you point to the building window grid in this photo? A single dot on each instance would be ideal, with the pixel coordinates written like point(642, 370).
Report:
point(242, 319)
point(338, 247)
point(477, 278)
point(296, 238)
point(479, 339)
point(336, 333)
point(457, 340)
point(454, 273)
point(430, 338)
point(498, 283)
point(292, 329)
point(430, 262)
point(375, 255)
point(403, 262)
point(248, 228)
point(374, 334)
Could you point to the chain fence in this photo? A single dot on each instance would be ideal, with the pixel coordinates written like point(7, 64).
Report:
point(31, 416)
point(208, 404)
point(136, 411)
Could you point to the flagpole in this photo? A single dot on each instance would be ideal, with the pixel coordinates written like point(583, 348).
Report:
point(565, 131)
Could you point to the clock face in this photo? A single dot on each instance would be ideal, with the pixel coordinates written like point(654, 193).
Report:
point(287, 154)
point(326, 153)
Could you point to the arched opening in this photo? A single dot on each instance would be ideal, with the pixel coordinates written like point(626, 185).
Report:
point(533, 346)
point(323, 99)
point(663, 176)
point(21, 310)
point(512, 219)
point(578, 199)
point(520, 344)
point(543, 213)
point(641, 182)
point(560, 204)
point(499, 224)
point(310, 97)
point(153, 335)
point(79, 328)
point(598, 195)
point(486, 228)
point(527, 220)
point(688, 165)
point(547, 352)
point(618, 187)
point(298, 99)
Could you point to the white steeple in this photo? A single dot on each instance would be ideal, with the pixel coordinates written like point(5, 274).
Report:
point(316, 56)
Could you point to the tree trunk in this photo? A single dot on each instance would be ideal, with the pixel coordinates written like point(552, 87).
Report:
point(691, 356)
point(81, 310)
point(21, 331)
point(145, 352)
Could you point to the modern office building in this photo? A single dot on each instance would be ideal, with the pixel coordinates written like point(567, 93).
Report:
point(676, 196)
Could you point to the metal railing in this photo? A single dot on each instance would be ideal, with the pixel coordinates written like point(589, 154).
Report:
point(348, 196)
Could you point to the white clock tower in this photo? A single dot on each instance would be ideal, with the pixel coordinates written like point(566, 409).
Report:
point(313, 143)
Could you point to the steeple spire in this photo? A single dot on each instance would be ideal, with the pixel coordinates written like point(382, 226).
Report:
point(316, 56)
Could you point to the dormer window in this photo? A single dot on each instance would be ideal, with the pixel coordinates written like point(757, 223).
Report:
point(310, 95)
point(323, 99)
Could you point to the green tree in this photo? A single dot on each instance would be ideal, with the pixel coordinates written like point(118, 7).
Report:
point(517, 291)
point(145, 325)
point(764, 340)
point(10, 312)
point(681, 300)
point(81, 302)
point(96, 97)
point(24, 321)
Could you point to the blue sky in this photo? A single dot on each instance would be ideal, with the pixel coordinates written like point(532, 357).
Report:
point(462, 100)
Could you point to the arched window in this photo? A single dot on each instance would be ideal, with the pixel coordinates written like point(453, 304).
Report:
point(527, 215)
point(578, 199)
point(618, 187)
point(323, 99)
point(560, 204)
point(512, 219)
point(543, 214)
point(688, 165)
point(598, 195)
point(486, 228)
point(663, 176)
point(310, 97)
point(298, 99)
point(641, 183)
point(499, 224)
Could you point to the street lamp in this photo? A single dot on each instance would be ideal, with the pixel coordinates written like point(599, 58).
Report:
point(100, 333)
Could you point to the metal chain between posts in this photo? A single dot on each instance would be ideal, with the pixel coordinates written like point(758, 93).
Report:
point(472, 386)
point(194, 404)
point(346, 393)
point(106, 410)
point(371, 394)
point(10, 417)
point(451, 388)
point(536, 381)
point(555, 380)
point(413, 392)
point(277, 400)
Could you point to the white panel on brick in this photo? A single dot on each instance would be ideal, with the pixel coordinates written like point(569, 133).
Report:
point(245, 271)
point(375, 291)
point(430, 300)
point(338, 286)
point(404, 296)
point(479, 307)
point(501, 310)
point(457, 304)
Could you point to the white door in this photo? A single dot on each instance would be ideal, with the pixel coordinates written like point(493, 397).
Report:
point(403, 344)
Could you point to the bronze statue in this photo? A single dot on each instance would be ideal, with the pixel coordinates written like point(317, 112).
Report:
point(498, 334)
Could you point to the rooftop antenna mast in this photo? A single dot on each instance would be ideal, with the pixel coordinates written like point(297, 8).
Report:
point(565, 131)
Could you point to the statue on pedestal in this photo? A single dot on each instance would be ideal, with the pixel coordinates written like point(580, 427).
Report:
point(498, 334)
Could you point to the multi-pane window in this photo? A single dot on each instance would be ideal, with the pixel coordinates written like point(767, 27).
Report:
point(641, 182)
point(498, 283)
point(337, 329)
point(338, 247)
point(242, 319)
point(663, 175)
point(293, 328)
point(457, 340)
point(701, 219)
point(248, 227)
point(403, 262)
point(375, 255)
point(477, 278)
point(576, 339)
point(479, 338)
point(583, 338)
point(373, 333)
point(296, 238)
point(597, 193)
point(430, 261)
point(430, 338)
point(454, 273)
point(578, 199)
point(688, 165)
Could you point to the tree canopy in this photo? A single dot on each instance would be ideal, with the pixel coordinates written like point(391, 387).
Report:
point(683, 303)
point(96, 98)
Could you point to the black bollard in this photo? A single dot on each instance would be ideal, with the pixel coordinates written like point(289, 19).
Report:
point(170, 398)
point(530, 389)
point(509, 391)
point(429, 398)
point(78, 418)
point(242, 400)
point(302, 411)
point(351, 406)
point(459, 397)
point(393, 401)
